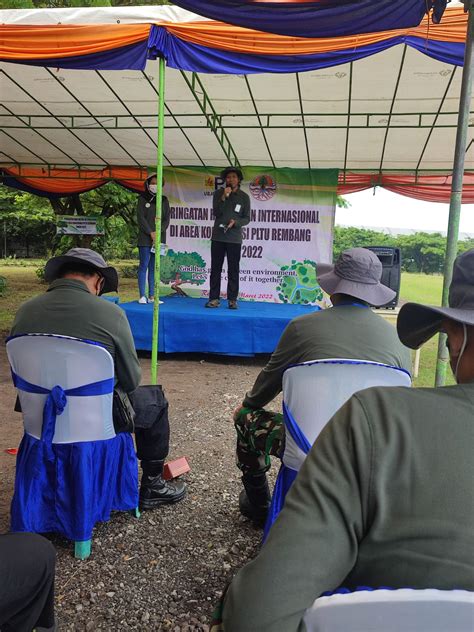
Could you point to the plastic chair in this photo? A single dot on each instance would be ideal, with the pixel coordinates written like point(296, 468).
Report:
point(72, 469)
point(312, 393)
point(386, 610)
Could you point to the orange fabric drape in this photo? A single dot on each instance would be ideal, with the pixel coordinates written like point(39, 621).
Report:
point(238, 39)
point(62, 40)
point(430, 188)
point(70, 181)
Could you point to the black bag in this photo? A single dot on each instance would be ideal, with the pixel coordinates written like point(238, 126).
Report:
point(123, 413)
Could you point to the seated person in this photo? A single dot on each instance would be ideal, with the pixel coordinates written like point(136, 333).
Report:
point(27, 564)
point(384, 498)
point(72, 307)
point(347, 330)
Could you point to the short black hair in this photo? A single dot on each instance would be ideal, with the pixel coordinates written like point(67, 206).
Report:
point(235, 170)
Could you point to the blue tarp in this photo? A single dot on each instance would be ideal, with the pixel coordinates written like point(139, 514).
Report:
point(321, 18)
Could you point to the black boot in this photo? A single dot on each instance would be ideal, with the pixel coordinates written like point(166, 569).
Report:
point(154, 490)
point(254, 499)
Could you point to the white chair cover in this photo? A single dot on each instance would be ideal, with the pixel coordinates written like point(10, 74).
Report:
point(47, 360)
point(314, 391)
point(403, 610)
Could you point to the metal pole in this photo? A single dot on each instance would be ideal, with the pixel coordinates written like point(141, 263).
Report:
point(159, 193)
point(456, 188)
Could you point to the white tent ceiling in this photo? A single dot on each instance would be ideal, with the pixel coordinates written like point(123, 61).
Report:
point(396, 110)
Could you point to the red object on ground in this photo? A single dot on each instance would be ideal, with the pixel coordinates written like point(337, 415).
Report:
point(175, 468)
point(13, 451)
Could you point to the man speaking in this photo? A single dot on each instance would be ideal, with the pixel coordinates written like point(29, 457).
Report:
point(231, 208)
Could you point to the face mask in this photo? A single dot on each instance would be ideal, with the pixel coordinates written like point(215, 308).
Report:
point(152, 188)
point(463, 348)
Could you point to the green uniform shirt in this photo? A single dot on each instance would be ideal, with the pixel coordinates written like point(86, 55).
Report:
point(69, 309)
point(384, 498)
point(237, 207)
point(346, 331)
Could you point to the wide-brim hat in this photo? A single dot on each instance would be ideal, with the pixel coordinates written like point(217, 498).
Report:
point(417, 323)
point(84, 256)
point(228, 170)
point(357, 272)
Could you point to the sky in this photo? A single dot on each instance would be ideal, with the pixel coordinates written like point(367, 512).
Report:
point(389, 210)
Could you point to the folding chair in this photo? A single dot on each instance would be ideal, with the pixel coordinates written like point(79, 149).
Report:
point(312, 393)
point(72, 469)
point(387, 610)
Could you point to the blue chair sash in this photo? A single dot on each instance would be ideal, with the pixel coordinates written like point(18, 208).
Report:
point(286, 475)
point(57, 399)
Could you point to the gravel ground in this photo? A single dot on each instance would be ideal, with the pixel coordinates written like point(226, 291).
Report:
point(166, 570)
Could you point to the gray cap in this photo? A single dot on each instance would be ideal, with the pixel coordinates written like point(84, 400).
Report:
point(418, 323)
point(357, 272)
point(90, 257)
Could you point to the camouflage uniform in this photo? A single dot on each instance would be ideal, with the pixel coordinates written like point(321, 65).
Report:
point(260, 434)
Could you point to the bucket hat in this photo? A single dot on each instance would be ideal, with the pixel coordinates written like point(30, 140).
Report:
point(357, 272)
point(83, 255)
point(417, 323)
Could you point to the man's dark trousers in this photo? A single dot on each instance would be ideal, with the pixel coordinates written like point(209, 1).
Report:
point(152, 427)
point(219, 249)
point(27, 564)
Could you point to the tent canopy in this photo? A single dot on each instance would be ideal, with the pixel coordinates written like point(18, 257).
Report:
point(390, 108)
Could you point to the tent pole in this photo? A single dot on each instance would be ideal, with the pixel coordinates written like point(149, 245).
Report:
point(456, 187)
point(159, 193)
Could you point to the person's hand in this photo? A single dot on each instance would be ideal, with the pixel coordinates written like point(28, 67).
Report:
point(153, 235)
point(231, 224)
point(227, 192)
point(237, 412)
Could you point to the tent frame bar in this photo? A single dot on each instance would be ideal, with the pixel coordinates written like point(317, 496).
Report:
point(436, 117)
point(29, 121)
point(125, 106)
point(153, 87)
point(212, 117)
point(349, 105)
point(83, 170)
point(18, 85)
point(392, 105)
point(300, 99)
point(91, 115)
point(259, 120)
point(457, 185)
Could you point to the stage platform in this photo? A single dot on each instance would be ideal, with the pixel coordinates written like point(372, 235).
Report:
point(187, 326)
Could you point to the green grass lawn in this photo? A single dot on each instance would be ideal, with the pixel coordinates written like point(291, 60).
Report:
point(22, 284)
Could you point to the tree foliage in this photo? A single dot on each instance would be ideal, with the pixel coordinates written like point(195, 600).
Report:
point(28, 222)
point(421, 252)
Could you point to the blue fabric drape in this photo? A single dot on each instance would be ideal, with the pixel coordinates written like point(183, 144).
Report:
point(67, 488)
point(194, 57)
point(286, 475)
point(321, 18)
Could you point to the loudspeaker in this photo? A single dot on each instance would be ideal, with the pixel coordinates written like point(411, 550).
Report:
point(391, 260)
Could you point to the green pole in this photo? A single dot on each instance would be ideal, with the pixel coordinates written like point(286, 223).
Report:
point(159, 193)
point(456, 188)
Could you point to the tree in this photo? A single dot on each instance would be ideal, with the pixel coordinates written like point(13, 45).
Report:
point(351, 237)
point(27, 221)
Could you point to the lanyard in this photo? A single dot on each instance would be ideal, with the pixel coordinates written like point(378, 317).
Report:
point(362, 305)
